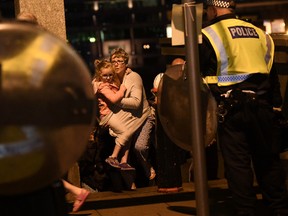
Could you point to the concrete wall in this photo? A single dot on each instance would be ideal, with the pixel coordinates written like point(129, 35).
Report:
point(50, 14)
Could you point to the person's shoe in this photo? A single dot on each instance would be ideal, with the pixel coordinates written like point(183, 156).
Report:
point(152, 174)
point(113, 162)
point(80, 199)
point(170, 190)
point(126, 166)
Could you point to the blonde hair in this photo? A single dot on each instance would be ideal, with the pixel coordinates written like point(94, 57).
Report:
point(101, 64)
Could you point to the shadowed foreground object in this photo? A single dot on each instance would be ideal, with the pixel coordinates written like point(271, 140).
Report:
point(174, 108)
point(47, 108)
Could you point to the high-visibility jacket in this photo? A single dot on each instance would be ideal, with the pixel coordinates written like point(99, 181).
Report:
point(241, 49)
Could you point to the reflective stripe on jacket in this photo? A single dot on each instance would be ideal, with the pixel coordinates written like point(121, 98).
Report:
point(241, 49)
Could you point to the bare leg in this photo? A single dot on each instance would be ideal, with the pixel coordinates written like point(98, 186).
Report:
point(124, 158)
point(116, 151)
point(71, 188)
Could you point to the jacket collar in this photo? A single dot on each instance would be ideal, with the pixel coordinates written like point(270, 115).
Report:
point(223, 17)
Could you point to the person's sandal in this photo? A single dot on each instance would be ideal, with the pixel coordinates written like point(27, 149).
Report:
point(126, 166)
point(80, 199)
point(113, 162)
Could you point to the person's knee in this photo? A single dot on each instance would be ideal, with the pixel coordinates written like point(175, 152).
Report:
point(141, 148)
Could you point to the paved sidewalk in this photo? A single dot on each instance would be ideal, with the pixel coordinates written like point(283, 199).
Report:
point(148, 202)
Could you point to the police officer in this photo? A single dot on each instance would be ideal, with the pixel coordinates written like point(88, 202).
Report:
point(236, 60)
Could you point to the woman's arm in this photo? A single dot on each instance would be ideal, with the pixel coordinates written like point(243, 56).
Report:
point(134, 94)
point(109, 94)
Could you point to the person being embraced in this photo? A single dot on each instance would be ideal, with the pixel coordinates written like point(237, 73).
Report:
point(107, 87)
point(109, 91)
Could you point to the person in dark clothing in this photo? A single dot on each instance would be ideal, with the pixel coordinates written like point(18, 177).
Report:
point(236, 60)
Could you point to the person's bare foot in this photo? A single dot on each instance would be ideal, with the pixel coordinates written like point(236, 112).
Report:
point(133, 186)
